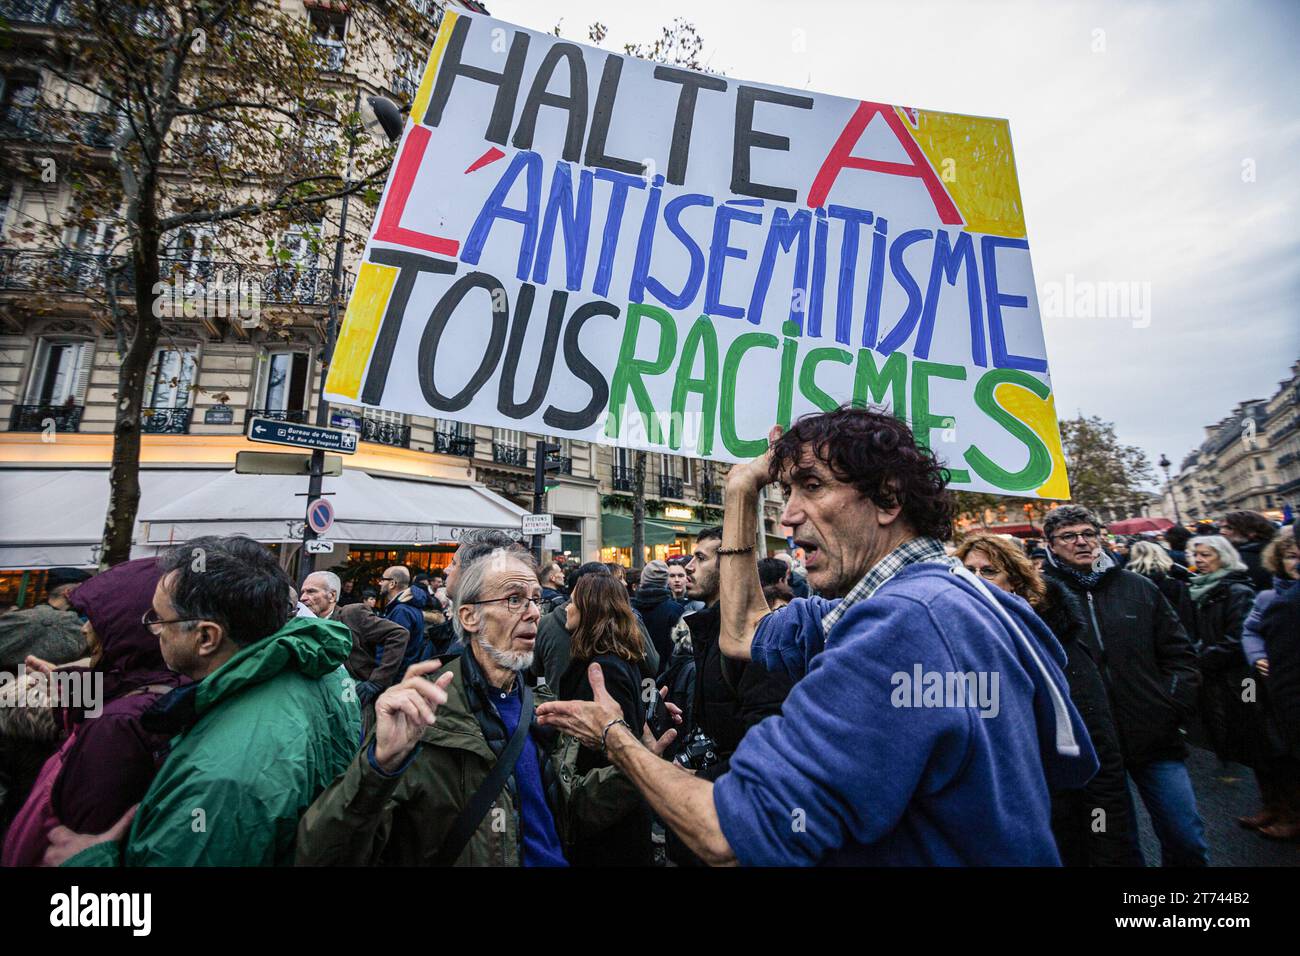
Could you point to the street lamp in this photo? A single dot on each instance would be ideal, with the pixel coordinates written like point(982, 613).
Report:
point(1173, 495)
point(380, 115)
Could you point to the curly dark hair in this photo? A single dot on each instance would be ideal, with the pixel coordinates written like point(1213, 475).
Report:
point(1250, 525)
point(877, 454)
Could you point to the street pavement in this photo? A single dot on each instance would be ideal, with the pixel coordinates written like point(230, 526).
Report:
point(1222, 795)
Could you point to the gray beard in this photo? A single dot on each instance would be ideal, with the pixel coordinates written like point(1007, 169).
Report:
point(516, 661)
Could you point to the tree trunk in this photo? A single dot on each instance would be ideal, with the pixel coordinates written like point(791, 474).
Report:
point(638, 510)
point(124, 473)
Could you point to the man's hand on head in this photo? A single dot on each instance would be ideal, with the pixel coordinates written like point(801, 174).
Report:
point(752, 476)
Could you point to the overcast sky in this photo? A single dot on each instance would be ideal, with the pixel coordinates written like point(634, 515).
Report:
point(1157, 143)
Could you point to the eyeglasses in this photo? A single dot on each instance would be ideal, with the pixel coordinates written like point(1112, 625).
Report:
point(154, 623)
point(515, 602)
point(988, 571)
point(1069, 537)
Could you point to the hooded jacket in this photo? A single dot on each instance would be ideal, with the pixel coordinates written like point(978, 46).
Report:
point(256, 742)
point(1146, 658)
point(108, 763)
point(407, 609)
point(887, 756)
point(367, 818)
point(660, 612)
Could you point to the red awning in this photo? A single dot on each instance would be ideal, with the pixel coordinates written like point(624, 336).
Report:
point(1134, 525)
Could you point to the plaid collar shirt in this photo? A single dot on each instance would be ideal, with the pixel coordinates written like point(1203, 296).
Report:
point(912, 551)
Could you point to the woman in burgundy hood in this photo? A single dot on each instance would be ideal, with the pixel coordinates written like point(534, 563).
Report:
point(108, 759)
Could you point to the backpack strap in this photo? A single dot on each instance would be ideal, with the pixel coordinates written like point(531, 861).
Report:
point(472, 815)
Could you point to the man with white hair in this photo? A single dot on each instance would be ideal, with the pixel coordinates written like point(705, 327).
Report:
point(378, 644)
point(1148, 664)
point(320, 592)
point(485, 785)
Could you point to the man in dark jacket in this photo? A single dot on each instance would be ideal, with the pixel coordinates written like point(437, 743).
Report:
point(730, 696)
point(405, 605)
point(1148, 664)
point(658, 609)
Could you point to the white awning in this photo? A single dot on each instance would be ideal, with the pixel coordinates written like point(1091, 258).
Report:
point(53, 518)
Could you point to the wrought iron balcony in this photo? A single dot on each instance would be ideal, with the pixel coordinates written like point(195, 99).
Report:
point(165, 421)
point(622, 478)
point(711, 495)
point(36, 11)
point(386, 433)
point(670, 487)
point(46, 124)
point(296, 415)
point(509, 454)
point(461, 446)
point(33, 418)
point(59, 271)
point(564, 462)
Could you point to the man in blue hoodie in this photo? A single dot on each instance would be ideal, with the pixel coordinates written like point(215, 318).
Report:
point(931, 715)
point(404, 604)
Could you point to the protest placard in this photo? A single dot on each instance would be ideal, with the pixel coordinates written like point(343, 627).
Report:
point(588, 245)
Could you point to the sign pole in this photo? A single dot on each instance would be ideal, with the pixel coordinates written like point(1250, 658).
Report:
point(306, 560)
point(539, 491)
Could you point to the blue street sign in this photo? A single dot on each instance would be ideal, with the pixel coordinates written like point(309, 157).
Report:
point(320, 515)
point(276, 432)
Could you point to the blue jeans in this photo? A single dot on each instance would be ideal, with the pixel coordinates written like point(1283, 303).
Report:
point(1166, 790)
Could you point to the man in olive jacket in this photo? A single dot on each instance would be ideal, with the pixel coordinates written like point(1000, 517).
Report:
point(436, 742)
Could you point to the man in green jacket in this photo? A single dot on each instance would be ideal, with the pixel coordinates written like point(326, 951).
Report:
point(271, 719)
point(404, 793)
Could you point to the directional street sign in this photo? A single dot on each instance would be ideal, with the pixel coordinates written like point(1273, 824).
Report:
point(320, 515)
point(280, 463)
point(302, 436)
point(537, 524)
point(318, 546)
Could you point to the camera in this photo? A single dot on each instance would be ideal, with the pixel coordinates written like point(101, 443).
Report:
point(697, 752)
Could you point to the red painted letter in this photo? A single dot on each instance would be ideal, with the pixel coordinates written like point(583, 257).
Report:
point(390, 220)
point(841, 157)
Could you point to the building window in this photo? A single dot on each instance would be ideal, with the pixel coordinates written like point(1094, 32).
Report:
point(60, 373)
point(171, 377)
point(285, 383)
point(329, 30)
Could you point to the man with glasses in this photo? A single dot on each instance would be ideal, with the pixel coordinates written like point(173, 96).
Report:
point(403, 606)
point(422, 791)
point(1148, 665)
point(267, 723)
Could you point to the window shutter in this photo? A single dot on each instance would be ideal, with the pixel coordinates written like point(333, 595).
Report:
point(39, 363)
point(85, 361)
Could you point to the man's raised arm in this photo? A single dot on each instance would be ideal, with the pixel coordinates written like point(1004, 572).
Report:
point(740, 592)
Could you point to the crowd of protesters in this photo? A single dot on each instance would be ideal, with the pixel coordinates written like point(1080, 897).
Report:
point(878, 695)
